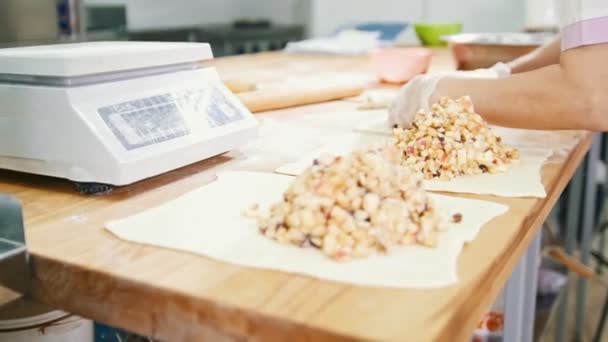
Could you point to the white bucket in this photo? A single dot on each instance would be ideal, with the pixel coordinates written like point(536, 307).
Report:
point(49, 326)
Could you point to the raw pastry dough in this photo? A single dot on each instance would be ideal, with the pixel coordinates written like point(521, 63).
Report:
point(451, 140)
point(338, 146)
point(522, 179)
point(208, 221)
point(557, 141)
point(352, 206)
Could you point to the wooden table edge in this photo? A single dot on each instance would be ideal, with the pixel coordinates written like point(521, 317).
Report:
point(212, 320)
point(218, 320)
point(506, 263)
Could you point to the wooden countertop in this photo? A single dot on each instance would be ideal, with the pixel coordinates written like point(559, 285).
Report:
point(175, 296)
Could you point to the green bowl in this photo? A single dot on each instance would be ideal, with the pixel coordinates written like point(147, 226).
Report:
point(430, 34)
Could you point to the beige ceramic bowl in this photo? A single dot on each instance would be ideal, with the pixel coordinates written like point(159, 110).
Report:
point(399, 65)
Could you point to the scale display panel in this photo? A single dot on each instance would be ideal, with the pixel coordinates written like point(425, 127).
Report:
point(145, 121)
point(155, 119)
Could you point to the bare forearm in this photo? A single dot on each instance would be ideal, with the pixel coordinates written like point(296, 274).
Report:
point(543, 99)
point(545, 55)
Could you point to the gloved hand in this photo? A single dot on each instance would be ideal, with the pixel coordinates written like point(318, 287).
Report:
point(415, 95)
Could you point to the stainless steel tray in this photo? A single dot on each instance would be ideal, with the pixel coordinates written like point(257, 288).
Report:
point(482, 50)
point(505, 39)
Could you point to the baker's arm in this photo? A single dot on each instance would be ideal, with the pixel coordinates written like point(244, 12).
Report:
point(570, 95)
point(547, 54)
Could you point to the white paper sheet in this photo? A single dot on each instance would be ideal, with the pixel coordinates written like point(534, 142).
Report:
point(208, 221)
point(522, 179)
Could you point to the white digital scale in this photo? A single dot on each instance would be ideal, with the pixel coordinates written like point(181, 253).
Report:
point(114, 112)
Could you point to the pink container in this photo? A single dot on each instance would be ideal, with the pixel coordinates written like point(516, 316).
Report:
point(398, 65)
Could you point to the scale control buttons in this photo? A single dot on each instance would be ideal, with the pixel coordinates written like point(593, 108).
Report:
point(222, 110)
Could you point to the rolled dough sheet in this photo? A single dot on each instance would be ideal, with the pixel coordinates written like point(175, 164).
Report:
point(338, 146)
point(377, 95)
point(558, 141)
point(376, 125)
point(273, 134)
point(343, 119)
point(208, 221)
point(375, 99)
point(522, 179)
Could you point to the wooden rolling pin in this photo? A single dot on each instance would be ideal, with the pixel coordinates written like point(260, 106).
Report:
point(269, 99)
point(237, 86)
point(558, 254)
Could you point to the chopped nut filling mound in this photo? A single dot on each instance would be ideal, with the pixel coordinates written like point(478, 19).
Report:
point(452, 140)
point(353, 206)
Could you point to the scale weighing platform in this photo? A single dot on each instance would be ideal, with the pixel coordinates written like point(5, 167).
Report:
point(112, 113)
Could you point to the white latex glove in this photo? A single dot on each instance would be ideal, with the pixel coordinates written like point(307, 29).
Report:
point(414, 96)
point(498, 70)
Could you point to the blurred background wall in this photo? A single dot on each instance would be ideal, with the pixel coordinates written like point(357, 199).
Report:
point(322, 17)
point(241, 26)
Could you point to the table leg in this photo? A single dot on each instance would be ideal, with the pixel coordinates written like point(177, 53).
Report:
point(573, 208)
point(520, 296)
point(587, 234)
point(602, 248)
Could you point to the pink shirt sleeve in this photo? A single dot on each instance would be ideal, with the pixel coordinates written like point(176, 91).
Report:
point(585, 22)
